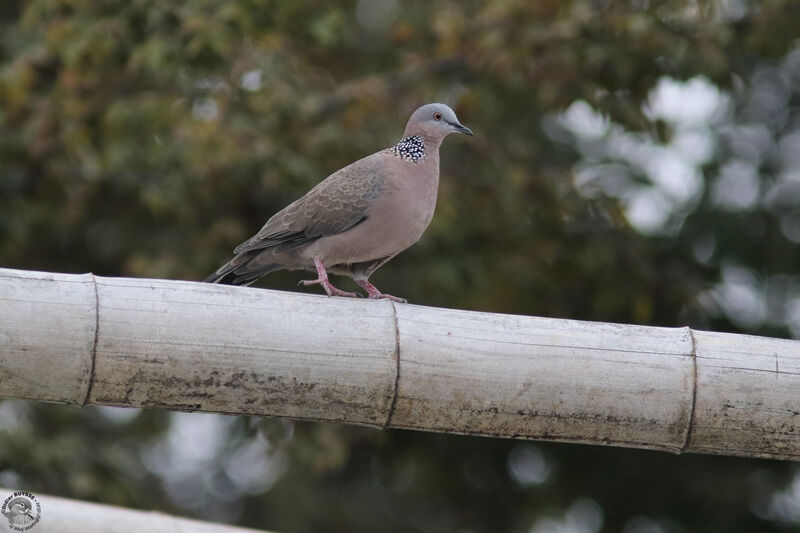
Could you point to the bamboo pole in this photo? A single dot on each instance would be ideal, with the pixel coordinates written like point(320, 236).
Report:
point(61, 515)
point(83, 339)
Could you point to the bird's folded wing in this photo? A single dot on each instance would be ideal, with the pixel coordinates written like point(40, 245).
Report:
point(335, 205)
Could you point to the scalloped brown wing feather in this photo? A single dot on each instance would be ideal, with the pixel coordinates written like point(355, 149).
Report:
point(336, 204)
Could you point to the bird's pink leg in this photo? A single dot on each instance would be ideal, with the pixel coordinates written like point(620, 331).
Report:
point(322, 279)
point(373, 292)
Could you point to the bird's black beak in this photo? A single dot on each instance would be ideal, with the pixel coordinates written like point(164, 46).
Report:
point(460, 128)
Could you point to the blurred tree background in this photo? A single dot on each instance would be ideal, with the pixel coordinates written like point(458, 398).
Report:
point(634, 162)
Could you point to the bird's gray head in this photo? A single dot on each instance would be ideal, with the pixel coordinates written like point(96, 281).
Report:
point(18, 506)
point(434, 122)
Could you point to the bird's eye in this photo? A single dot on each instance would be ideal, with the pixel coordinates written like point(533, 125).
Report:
point(437, 116)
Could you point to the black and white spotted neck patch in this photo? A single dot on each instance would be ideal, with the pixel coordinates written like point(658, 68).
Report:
point(410, 149)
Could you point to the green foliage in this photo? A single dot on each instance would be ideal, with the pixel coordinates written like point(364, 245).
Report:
point(148, 138)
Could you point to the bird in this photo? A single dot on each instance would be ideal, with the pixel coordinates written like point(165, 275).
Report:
point(20, 512)
point(358, 218)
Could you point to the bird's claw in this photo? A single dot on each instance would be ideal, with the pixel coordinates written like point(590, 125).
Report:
point(328, 286)
point(374, 294)
point(383, 296)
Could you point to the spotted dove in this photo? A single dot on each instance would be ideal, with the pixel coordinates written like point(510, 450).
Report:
point(356, 219)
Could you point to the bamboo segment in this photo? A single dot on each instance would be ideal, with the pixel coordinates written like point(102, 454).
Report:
point(47, 333)
point(748, 396)
point(516, 376)
point(201, 347)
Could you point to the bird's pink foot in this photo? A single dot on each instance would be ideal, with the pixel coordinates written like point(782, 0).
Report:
point(373, 292)
point(329, 288)
point(322, 279)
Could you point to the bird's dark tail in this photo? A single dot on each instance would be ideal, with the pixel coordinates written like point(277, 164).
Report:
point(223, 278)
point(241, 271)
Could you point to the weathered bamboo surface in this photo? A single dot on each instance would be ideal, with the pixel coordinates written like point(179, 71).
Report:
point(83, 339)
point(61, 515)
